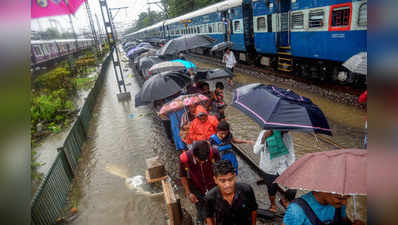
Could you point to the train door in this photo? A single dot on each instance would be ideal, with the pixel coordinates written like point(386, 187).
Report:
point(227, 26)
point(248, 34)
point(282, 22)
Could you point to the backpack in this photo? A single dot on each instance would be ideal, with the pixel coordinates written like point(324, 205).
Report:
point(184, 158)
point(337, 220)
point(275, 145)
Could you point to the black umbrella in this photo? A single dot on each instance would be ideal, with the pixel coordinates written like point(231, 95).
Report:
point(277, 108)
point(161, 86)
point(212, 74)
point(186, 42)
point(222, 46)
point(147, 62)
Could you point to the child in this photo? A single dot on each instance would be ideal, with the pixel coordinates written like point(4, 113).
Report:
point(222, 142)
point(218, 94)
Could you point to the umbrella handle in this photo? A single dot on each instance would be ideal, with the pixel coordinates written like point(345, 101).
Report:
point(354, 201)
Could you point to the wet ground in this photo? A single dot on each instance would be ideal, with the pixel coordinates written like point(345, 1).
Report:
point(121, 137)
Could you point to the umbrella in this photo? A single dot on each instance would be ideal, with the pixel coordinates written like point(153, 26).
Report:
point(222, 46)
point(147, 62)
point(137, 51)
point(358, 63)
point(338, 171)
point(182, 102)
point(167, 66)
point(161, 86)
point(184, 43)
point(276, 108)
point(212, 74)
point(54, 8)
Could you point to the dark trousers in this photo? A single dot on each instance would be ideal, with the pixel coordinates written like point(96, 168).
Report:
point(273, 187)
point(200, 205)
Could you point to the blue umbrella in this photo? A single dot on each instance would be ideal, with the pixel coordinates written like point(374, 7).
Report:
point(277, 108)
point(188, 64)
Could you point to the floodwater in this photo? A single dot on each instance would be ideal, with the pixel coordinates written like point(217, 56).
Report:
point(121, 137)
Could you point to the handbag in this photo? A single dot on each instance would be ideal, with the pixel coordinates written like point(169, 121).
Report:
point(275, 145)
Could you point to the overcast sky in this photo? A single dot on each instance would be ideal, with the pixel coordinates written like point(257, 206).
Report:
point(80, 20)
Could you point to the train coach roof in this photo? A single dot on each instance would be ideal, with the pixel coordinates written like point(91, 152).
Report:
point(220, 6)
point(145, 29)
point(57, 40)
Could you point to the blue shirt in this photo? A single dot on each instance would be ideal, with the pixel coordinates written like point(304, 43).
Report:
point(188, 65)
point(295, 214)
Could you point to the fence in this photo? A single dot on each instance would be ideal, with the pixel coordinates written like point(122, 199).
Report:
point(49, 200)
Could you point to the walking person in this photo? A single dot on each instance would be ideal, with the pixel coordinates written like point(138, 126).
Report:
point(276, 155)
point(230, 202)
point(222, 141)
point(230, 61)
point(196, 173)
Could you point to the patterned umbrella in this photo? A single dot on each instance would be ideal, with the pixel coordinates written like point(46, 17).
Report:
point(181, 102)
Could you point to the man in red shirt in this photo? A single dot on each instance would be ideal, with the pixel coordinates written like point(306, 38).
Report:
point(196, 173)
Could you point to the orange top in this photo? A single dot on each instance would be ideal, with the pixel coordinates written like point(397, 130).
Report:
point(201, 131)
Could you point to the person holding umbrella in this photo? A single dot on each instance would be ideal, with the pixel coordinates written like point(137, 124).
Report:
point(230, 61)
point(276, 152)
point(331, 177)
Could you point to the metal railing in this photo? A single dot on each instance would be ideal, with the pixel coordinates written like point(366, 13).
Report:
point(49, 200)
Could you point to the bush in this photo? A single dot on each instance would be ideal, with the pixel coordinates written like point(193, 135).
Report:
point(59, 78)
point(49, 108)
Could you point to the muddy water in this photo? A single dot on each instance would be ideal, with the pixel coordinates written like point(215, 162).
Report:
point(120, 139)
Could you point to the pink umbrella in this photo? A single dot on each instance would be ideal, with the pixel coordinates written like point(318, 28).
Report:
point(338, 171)
point(181, 102)
point(45, 8)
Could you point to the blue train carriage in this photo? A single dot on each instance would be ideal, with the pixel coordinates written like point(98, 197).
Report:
point(213, 20)
point(326, 33)
point(265, 16)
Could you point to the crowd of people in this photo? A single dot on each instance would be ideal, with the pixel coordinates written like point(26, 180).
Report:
point(209, 167)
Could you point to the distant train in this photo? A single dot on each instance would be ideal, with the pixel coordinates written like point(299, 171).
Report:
point(311, 38)
point(43, 51)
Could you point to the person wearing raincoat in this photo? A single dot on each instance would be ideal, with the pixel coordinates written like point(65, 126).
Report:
point(274, 163)
point(202, 127)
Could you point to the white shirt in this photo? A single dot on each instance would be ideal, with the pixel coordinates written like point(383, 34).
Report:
point(276, 165)
point(229, 59)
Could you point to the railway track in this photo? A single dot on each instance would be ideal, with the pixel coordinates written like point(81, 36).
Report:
point(264, 72)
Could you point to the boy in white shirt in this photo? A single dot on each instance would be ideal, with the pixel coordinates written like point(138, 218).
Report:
point(230, 61)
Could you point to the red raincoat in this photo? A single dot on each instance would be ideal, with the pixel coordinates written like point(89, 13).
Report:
point(199, 131)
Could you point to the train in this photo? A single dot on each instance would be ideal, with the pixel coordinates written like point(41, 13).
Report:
point(309, 38)
point(45, 51)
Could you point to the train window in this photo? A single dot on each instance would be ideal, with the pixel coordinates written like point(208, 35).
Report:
point(237, 26)
point(298, 20)
point(363, 15)
point(316, 18)
point(341, 17)
point(197, 30)
point(210, 28)
point(261, 24)
point(221, 27)
point(37, 51)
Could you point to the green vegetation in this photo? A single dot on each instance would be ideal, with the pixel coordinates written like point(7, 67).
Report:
point(52, 108)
